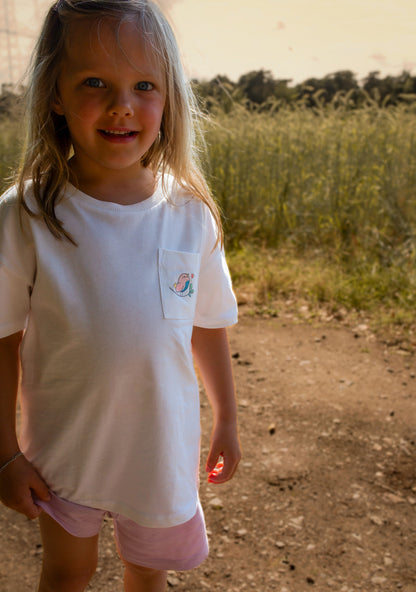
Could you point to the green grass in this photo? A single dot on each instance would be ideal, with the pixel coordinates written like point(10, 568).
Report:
point(269, 280)
point(319, 206)
point(343, 180)
point(10, 146)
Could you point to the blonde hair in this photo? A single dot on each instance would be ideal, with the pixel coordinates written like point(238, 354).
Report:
point(48, 143)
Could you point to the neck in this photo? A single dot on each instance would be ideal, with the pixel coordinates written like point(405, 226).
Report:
point(117, 187)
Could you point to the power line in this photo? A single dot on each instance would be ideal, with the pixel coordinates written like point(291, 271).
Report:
point(11, 35)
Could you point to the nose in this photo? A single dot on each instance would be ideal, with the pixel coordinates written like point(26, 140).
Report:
point(120, 105)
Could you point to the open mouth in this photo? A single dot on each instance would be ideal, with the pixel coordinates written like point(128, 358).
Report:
point(117, 133)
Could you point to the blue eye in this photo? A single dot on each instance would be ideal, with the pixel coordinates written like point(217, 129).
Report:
point(144, 85)
point(94, 83)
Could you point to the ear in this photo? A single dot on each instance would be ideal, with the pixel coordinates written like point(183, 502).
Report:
point(57, 107)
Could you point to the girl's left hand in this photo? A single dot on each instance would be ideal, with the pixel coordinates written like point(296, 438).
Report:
point(224, 454)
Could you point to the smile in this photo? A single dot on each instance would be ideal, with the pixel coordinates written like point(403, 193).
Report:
point(118, 136)
point(118, 133)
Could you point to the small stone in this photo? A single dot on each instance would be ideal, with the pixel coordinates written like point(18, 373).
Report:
point(173, 581)
point(216, 504)
point(241, 533)
point(378, 580)
point(412, 501)
point(310, 580)
point(376, 520)
point(272, 429)
point(37, 551)
point(280, 545)
point(395, 499)
point(388, 561)
point(297, 522)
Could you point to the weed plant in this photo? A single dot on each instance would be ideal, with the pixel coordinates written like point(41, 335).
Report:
point(319, 203)
point(316, 178)
point(331, 188)
point(10, 147)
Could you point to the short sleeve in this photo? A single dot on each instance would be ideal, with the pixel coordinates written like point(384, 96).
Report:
point(216, 304)
point(17, 268)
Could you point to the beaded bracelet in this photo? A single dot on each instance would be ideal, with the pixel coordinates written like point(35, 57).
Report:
point(6, 464)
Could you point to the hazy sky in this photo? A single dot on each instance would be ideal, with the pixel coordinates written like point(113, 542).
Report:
point(295, 39)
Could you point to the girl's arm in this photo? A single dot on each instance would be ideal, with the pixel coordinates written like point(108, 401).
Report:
point(19, 478)
point(212, 356)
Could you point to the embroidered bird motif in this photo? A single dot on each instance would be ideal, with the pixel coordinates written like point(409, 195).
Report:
point(183, 287)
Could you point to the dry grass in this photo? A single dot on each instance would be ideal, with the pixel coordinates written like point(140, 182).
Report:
point(318, 205)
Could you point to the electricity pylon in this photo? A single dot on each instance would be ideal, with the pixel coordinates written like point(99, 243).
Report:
point(12, 57)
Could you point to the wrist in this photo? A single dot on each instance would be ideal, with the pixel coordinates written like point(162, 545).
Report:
point(5, 464)
point(9, 446)
point(228, 422)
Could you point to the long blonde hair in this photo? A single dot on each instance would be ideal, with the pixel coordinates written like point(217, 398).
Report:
point(48, 143)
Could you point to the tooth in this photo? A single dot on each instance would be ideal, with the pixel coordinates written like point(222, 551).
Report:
point(116, 133)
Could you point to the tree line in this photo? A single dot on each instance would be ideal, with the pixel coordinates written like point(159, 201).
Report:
point(259, 90)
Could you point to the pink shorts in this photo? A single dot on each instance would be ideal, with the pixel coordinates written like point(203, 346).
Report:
point(176, 548)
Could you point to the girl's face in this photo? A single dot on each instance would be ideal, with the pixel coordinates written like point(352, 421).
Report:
point(112, 95)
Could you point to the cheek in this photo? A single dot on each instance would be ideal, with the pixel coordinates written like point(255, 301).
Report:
point(154, 112)
point(85, 110)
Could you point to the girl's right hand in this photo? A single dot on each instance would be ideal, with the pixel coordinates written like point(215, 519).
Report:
point(17, 482)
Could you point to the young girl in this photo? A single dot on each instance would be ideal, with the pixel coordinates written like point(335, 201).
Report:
point(112, 281)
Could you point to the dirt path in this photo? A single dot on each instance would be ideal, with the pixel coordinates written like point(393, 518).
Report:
point(325, 498)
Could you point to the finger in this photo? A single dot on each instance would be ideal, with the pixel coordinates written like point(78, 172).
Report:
point(27, 506)
point(40, 489)
point(222, 472)
point(31, 510)
point(212, 460)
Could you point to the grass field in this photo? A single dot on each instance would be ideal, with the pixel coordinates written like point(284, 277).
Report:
point(318, 205)
point(321, 205)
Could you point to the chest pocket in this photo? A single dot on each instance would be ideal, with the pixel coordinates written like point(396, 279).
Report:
point(178, 280)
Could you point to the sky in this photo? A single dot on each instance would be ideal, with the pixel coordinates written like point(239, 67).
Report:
point(294, 39)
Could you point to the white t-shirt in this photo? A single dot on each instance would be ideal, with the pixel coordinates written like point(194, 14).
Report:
point(110, 401)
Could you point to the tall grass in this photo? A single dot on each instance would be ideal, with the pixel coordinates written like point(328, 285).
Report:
point(10, 147)
point(334, 190)
point(321, 203)
point(343, 180)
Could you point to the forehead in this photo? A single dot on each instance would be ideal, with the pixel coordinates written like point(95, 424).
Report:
point(96, 43)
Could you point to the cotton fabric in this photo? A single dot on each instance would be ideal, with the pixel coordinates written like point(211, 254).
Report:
point(110, 399)
point(180, 548)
